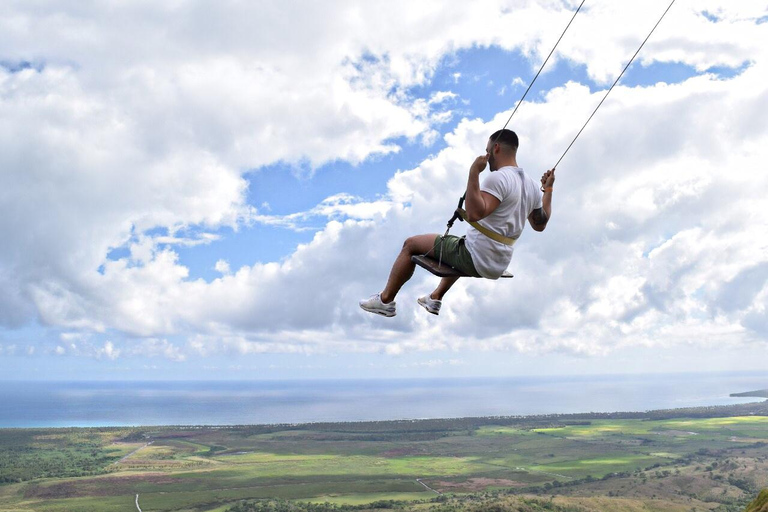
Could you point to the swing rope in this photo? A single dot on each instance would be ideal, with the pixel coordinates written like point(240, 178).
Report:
point(540, 69)
point(614, 84)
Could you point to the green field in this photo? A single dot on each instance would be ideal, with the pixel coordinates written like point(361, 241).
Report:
point(686, 461)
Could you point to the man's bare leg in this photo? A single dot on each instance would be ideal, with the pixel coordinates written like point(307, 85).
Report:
point(402, 269)
point(444, 286)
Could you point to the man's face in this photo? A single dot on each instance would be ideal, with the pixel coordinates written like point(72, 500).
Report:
point(489, 151)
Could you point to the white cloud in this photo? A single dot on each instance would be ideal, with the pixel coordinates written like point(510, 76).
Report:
point(110, 350)
point(201, 239)
point(131, 123)
point(222, 267)
point(7, 350)
point(433, 363)
point(442, 97)
point(685, 35)
point(72, 337)
point(154, 347)
point(338, 207)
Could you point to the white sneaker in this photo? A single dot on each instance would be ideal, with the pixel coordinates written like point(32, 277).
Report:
point(374, 305)
point(430, 304)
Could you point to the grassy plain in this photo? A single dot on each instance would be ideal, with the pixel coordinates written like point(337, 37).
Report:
point(600, 462)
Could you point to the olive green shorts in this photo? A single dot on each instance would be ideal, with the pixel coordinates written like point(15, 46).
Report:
point(454, 253)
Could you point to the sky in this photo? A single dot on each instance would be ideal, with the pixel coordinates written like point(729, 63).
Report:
point(205, 190)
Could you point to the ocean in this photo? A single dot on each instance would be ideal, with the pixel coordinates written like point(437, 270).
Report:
point(124, 403)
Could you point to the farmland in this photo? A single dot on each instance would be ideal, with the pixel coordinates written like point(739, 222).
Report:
point(665, 460)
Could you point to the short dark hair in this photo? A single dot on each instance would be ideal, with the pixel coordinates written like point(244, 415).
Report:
point(506, 137)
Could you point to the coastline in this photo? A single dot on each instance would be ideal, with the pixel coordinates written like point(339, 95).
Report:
point(759, 408)
point(126, 403)
point(759, 393)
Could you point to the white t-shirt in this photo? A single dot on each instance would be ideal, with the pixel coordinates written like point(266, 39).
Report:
point(519, 196)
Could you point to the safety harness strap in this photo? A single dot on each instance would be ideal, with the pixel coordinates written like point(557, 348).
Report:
point(484, 230)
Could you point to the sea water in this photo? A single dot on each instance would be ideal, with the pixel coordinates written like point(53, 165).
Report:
point(121, 403)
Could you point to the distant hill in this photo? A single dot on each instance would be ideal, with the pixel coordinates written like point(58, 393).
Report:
point(760, 393)
point(760, 504)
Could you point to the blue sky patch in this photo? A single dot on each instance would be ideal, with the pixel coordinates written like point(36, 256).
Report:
point(726, 72)
point(249, 245)
point(491, 79)
point(21, 65)
point(668, 72)
point(118, 253)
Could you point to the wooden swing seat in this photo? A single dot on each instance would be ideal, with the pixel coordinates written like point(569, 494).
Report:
point(441, 269)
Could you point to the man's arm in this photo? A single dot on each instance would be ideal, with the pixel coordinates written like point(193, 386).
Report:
point(478, 204)
point(540, 216)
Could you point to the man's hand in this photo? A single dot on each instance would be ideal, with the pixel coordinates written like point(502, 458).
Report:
point(479, 164)
point(539, 217)
point(548, 179)
point(478, 204)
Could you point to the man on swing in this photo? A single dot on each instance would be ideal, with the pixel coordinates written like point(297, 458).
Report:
point(506, 198)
